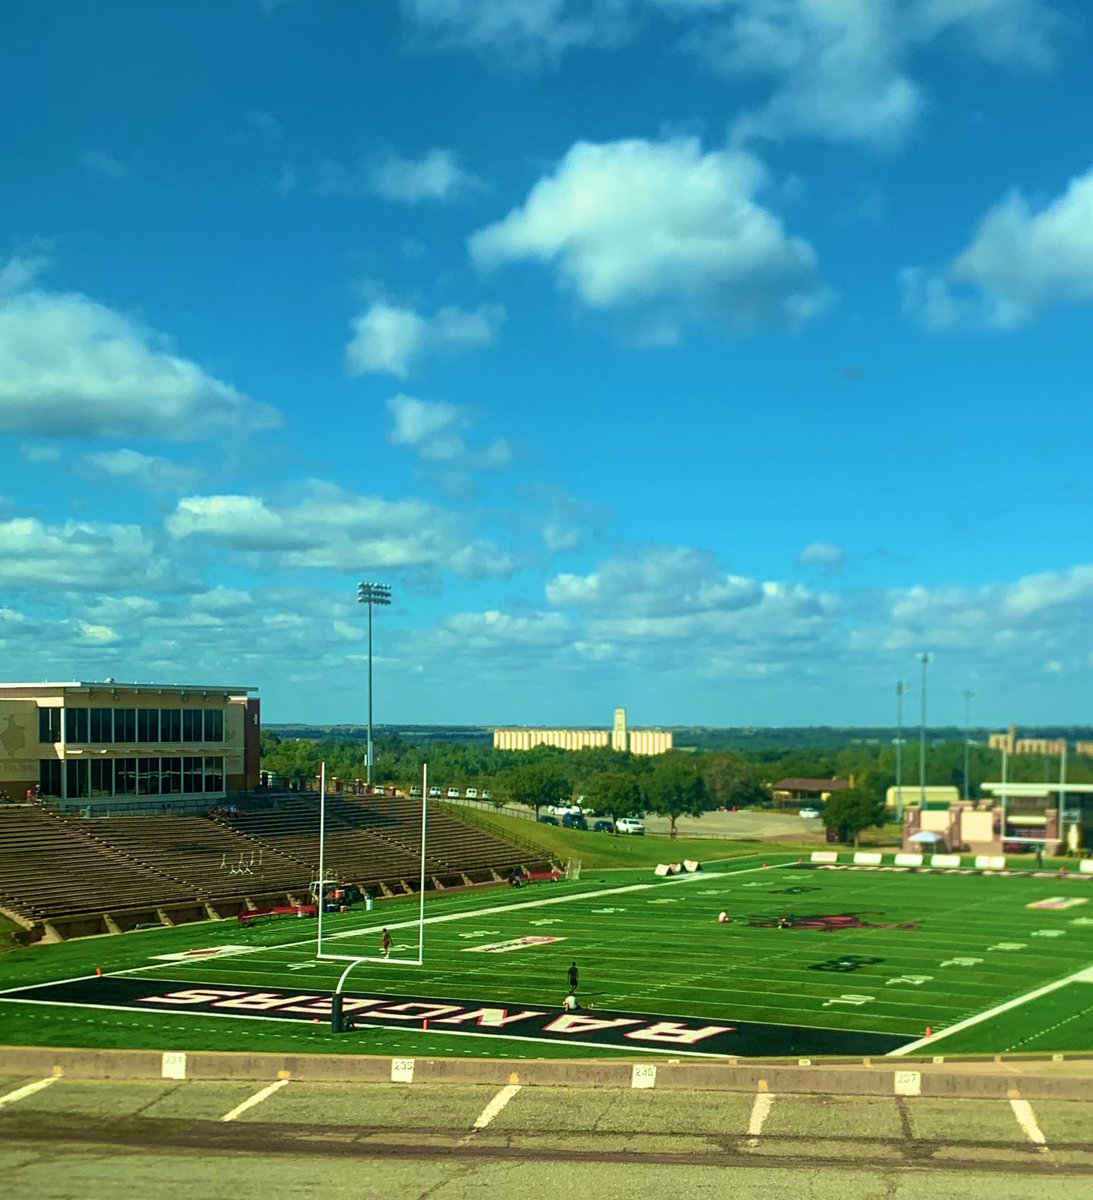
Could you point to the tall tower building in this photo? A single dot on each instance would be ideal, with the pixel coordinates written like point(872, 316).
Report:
point(619, 738)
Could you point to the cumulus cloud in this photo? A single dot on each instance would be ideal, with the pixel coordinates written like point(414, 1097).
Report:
point(833, 68)
point(1023, 260)
point(828, 558)
point(148, 471)
point(436, 176)
point(662, 227)
point(332, 529)
point(79, 555)
point(71, 367)
point(435, 430)
point(391, 338)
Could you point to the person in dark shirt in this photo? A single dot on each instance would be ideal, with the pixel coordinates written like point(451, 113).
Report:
point(385, 943)
point(574, 977)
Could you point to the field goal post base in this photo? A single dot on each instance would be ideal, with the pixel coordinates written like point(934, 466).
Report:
point(573, 868)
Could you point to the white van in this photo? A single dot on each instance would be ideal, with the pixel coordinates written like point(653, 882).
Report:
point(472, 793)
point(453, 793)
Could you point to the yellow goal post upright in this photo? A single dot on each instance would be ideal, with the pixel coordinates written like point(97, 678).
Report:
point(322, 953)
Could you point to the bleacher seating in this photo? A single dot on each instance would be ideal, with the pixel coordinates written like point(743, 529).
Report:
point(57, 869)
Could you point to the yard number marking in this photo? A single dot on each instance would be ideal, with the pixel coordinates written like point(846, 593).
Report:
point(913, 980)
point(1050, 933)
point(961, 962)
point(479, 933)
point(1009, 946)
point(849, 998)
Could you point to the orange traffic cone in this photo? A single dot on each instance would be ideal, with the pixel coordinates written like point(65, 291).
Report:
point(98, 971)
point(929, 1031)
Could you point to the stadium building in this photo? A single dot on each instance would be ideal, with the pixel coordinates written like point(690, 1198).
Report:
point(619, 737)
point(127, 747)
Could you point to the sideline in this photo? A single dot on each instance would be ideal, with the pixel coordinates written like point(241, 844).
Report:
point(251, 1101)
point(1083, 976)
point(28, 1090)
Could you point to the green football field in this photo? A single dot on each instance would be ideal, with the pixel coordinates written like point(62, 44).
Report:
point(866, 959)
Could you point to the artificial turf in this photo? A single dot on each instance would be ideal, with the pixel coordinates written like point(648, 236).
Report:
point(909, 950)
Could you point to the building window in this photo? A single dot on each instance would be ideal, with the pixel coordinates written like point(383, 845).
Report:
point(170, 725)
point(171, 776)
point(49, 725)
point(214, 725)
point(214, 774)
point(147, 725)
point(102, 776)
point(192, 726)
point(125, 776)
point(101, 725)
point(191, 775)
point(148, 776)
point(49, 774)
point(76, 772)
point(76, 726)
point(125, 725)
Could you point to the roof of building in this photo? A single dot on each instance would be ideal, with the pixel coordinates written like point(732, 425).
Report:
point(99, 684)
point(810, 785)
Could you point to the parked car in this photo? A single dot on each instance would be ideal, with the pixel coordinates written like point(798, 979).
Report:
point(453, 793)
point(434, 793)
point(574, 821)
point(810, 813)
point(547, 819)
point(472, 793)
point(416, 790)
point(561, 810)
point(604, 827)
point(629, 825)
point(486, 794)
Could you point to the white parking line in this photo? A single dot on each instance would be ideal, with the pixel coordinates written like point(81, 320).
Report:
point(1026, 1118)
point(257, 1098)
point(28, 1090)
point(760, 1110)
point(496, 1105)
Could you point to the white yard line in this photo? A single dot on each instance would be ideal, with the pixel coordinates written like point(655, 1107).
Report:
point(257, 1098)
point(28, 1090)
point(1026, 1118)
point(1083, 976)
point(496, 1105)
point(472, 914)
point(760, 1110)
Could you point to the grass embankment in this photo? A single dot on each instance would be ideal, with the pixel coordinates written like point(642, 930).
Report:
point(601, 851)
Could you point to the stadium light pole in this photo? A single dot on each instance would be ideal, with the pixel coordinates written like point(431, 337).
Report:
point(901, 691)
point(371, 594)
point(969, 696)
point(923, 658)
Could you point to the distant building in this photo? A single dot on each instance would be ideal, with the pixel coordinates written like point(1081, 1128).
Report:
point(803, 789)
point(1010, 743)
point(619, 737)
point(912, 794)
point(1085, 748)
point(127, 746)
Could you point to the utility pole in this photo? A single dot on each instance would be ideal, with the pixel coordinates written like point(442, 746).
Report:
point(969, 696)
point(371, 594)
point(901, 689)
point(923, 658)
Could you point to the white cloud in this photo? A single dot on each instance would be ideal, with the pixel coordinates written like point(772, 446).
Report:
point(833, 68)
point(392, 339)
point(70, 367)
point(105, 167)
point(332, 529)
point(434, 430)
point(662, 226)
point(436, 176)
point(525, 29)
point(79, 555)
point(1022, 261)
point(147, 471)
point(828, 558)
point(40, 453)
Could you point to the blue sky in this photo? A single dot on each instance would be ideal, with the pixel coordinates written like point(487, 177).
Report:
point(711, 357)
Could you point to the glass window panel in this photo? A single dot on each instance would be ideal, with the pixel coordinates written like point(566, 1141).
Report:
point(49, 725)
point(191, 775)
point(170, 725)
point(125, 724)
point(125, 777)
point(76, 726)
point(214, 725)
point(171, 775)
point(76, 770)
point(49, 774)
point(101, 725)
point(191, 725)
point(214, 774)
point(147, 725)
point(102, 777)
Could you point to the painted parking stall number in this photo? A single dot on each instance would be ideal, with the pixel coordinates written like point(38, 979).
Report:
point(644, 1075)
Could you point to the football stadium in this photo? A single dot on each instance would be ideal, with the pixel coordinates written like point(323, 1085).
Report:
point(456, 993)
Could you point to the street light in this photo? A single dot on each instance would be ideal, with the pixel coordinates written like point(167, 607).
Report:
point(901, 691)
point(969, 696)
point(371, 594)
point(923, 658)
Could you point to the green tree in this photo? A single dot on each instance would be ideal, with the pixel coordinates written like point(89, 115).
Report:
point(732, 781)
point(535, 784)
point(850, 811)
point(618, 794)
point(676, 788)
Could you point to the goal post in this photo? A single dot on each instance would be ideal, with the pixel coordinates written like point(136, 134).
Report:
point(323, 952)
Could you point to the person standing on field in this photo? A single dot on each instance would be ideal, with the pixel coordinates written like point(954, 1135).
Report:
point(574, 977)
point(385, 943)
